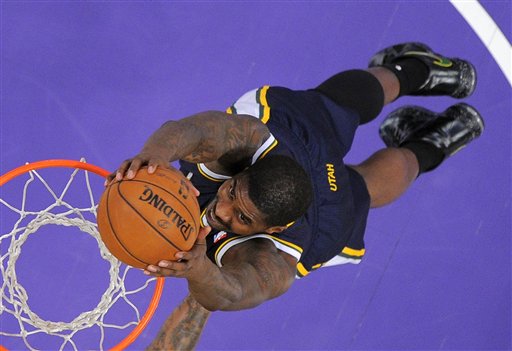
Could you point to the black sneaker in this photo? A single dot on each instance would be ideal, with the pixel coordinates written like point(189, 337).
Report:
point(448, 131)
point(448, 76)
point(402, 122)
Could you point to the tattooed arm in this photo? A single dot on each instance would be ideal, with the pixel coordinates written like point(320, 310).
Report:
point(223, 141)
point(181, 331)
point(252, 272)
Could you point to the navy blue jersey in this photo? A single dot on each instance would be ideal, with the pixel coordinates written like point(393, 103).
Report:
point(317, 133)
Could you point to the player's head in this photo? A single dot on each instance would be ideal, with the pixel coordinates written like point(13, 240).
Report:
point(267, 196)
point(280, 188)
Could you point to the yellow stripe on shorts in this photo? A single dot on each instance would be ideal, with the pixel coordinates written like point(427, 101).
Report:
point(353, 252)
point(262, 100)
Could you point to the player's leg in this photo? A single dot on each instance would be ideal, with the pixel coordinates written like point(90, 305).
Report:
point(362, 91)
point(388, 173)
point(404, 69)
point(418, 141)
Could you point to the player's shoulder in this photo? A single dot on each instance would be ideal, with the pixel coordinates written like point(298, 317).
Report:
point(221, 244)
point(249, 249)
point(263, 255)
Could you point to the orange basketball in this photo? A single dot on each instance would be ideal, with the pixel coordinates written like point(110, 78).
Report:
point(148, 218)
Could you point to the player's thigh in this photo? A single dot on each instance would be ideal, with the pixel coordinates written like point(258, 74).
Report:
point(388, 173)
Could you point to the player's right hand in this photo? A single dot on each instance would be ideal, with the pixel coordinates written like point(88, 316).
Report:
point(129, 168)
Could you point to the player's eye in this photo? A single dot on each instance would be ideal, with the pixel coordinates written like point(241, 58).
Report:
point(244, 219)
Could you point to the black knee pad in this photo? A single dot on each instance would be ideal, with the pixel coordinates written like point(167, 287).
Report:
point(355, 89)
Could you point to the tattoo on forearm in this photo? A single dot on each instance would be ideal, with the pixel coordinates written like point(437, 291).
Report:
point(183, 328)
point(220, 134)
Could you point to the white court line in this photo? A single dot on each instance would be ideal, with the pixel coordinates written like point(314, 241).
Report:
point(488, 32)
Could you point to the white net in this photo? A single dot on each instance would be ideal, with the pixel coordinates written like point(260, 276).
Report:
point(14, 302)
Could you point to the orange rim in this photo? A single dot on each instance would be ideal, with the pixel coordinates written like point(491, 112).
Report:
point(153, 304)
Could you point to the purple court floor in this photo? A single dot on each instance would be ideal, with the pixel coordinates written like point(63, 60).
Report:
point(93, 79)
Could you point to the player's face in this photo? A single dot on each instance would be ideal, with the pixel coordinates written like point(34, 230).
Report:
point(232, 210)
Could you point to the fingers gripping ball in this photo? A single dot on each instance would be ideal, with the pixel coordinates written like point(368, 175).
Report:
point(148, 218)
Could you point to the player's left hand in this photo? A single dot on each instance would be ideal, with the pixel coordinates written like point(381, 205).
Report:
point(188, 264)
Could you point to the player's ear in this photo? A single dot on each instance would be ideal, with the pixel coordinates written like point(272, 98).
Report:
point(275, 229)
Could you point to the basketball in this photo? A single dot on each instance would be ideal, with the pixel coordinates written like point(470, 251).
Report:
point(148, 218)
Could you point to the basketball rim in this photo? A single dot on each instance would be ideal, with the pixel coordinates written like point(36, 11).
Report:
point(61, 163)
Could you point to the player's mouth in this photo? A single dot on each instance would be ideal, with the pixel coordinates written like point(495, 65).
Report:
point(212, 218)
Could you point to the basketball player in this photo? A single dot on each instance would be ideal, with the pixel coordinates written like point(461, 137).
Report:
point(273, 186)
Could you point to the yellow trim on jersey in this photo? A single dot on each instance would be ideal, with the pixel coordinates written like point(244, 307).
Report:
point(289, 244)
point(224, 244)
point(302, 270)
point(353, 252)
point(262, 99)
point(284, 242)
point(280, 245)
point(264, 153)
point(201, 218)
point(316, 266)
point(290, 224)
point(207, 176)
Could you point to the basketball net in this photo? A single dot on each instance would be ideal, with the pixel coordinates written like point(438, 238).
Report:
point(14, 297)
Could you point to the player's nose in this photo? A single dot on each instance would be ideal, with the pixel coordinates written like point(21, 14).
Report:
point(223, 210)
